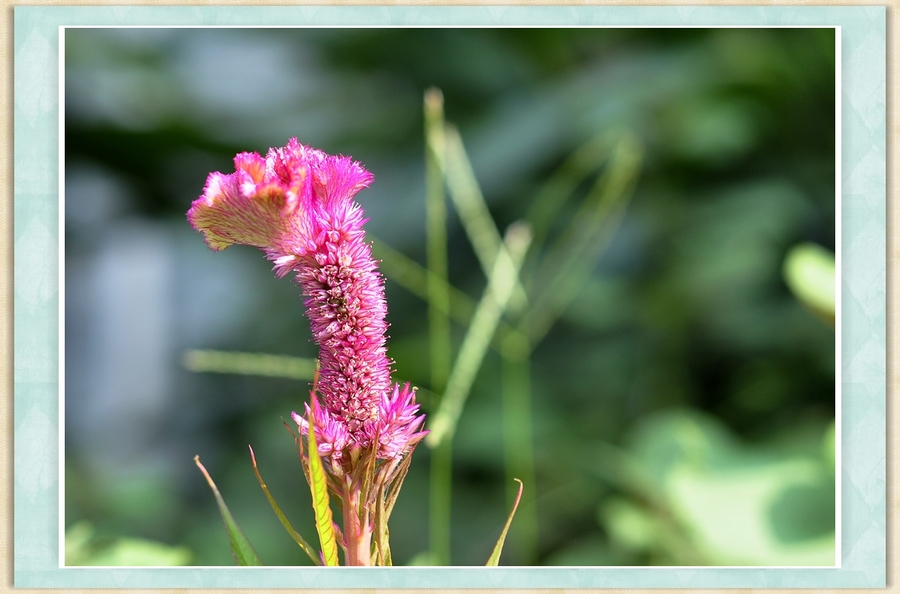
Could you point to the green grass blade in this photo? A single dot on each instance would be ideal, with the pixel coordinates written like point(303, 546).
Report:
point(438, 296)
point(416, 279)
point(473, 211)
point(498, 548)
point(240, 547)
point(562, 184)
point(281, 517)
point(438, 293)
point(566, 267)
point(318, 485)
point(475, 343)
point(249, 364)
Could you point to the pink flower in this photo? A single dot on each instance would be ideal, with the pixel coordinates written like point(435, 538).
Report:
point(398, 426)
point(297, 206)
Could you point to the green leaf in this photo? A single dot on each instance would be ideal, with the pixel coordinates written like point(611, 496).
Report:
point(733, 503)
point(498, 548)
point(249, 364)
point(474, 213)
point(567, 265)
point(284, 521)
point(318, 485)
point(479, 334)
point(809, 271)
point(240, 547)
point(562, 185)
point(382, 535)
point(82, 548)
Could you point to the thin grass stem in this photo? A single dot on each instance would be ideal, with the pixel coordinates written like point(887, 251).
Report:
point(564, 270)
point(209, 361)
point(415, 278)
point(518, 442)
point(438, 296)
point(473, 211)
point(475, 343)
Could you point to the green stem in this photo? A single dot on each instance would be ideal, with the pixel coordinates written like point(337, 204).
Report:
point(439, 514)
point(438, 318)
point(518, 445)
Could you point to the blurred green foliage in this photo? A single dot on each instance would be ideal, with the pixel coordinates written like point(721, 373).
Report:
point(679, 402)
point(82, 548)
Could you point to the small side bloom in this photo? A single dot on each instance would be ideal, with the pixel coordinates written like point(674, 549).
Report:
point(331, 435)
point(399, 426)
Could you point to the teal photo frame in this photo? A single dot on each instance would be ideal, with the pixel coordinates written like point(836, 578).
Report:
point(862, 237)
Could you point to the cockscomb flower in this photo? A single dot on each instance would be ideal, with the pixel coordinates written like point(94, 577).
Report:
point(296, 204)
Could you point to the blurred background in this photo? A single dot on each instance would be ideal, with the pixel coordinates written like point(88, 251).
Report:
point(681, 401)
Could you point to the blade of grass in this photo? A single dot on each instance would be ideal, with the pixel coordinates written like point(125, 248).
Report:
point(562, 184)
point(241, 549)
point(473, 211)
point(249, 364)
point(318, 485)
point(418, 280)
point(415, 278)
point(438, 296)
point(475, 343)
point(281, 517)
point(436, 237)
point(439, 485)
point(564, 270)
point(494, 559)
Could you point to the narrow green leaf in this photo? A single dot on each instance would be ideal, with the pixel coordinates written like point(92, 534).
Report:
point(473, 212)
point(493, 303)
point(249, 364)
point(318, 485)
point(563, 271)
point(284, 521)
point(396, 482)
point(382, 536)
point(417, 279)
point(440, 302)
point(240, 547)
point(498, 548)
point(562, 184)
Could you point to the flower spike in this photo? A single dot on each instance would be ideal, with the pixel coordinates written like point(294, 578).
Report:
point(297, 205)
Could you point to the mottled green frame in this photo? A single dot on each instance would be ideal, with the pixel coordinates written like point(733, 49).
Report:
point(862, 251)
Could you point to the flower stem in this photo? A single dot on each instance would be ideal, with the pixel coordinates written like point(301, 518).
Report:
point(438, 321)
point(357, 533)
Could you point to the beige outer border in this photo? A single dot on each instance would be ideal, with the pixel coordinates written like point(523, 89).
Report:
point(6, 272)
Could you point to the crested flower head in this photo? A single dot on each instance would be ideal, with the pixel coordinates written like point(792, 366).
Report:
point(296, 205)
point(284, 204)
